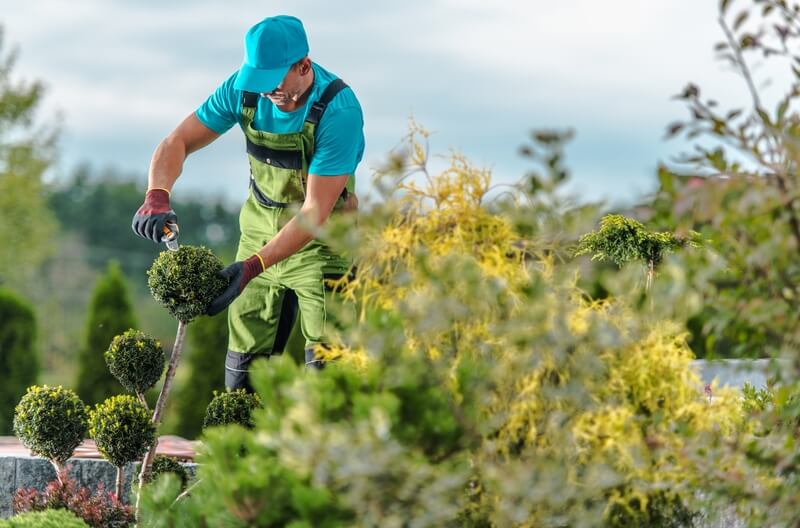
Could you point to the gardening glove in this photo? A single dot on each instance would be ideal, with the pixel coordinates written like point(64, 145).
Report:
point(155, 212)
point(238, 275)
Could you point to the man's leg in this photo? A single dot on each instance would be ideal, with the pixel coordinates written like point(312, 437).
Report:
point(259, 322)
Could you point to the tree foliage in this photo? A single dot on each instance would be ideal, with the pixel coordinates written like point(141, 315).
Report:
point(26, 151)
point(110, 314)
point(19, 358)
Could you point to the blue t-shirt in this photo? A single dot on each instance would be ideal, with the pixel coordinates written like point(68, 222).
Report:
point(339, 144)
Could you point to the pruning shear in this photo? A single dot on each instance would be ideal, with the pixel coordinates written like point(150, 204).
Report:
point(170, 236)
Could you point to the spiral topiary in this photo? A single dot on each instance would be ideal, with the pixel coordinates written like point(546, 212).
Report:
point(232, 407)
point(122, 429)
point(186, 281)
point(51, 422)
point(136, 360)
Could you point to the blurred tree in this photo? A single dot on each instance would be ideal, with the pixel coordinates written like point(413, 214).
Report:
point(112, 197)
point(738, 186)
point(110, 314)
point(19, 361)
point(26, 224)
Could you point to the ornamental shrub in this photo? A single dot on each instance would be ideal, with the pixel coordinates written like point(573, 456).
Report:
point(44, 519)
point(100, 509)
point(110, 313)
point(19, 360)
point(163, 464)
point(231, 407)
point(136, 360)
point(122, 428)
point(51, 422)
point(186, 281)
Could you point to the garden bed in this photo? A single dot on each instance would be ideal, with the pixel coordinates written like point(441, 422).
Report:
point(19, 469)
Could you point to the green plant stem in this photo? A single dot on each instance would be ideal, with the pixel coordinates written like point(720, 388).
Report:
point(162, 398)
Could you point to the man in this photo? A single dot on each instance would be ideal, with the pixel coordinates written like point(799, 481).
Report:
point(304, 136)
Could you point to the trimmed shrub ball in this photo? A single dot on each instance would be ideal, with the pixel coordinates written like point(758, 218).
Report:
point(51, 422)
point(232, 407)
point(136, 360)
point(186, 281)
point(121, 428)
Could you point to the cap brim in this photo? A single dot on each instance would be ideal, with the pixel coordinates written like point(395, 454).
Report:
point(256, 80)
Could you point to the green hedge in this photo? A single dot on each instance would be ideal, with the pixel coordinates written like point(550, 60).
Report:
point(44, 519)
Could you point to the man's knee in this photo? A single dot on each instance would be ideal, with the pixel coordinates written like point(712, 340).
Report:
point(237, 371)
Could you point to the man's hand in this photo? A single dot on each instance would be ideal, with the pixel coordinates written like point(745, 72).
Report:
point(155, 212)
point(238, 275)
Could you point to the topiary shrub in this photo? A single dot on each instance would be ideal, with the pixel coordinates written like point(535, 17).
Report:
point(19, 362)
point(165, 464)
point(44, 519)
point(51, 422)
point(231, 407)
point(186, 281)
point(136, 360)
point(110, 313)
point(122, 428)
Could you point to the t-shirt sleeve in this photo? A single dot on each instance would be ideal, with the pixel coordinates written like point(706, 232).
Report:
point(340, 142)
point(221, 110)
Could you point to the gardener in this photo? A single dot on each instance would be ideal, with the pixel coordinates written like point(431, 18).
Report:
point(304, 136)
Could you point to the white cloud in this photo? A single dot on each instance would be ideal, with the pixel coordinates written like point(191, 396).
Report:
point(479, 73)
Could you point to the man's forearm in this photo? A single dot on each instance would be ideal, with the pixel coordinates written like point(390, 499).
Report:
point(167, 164)
point(292, 237)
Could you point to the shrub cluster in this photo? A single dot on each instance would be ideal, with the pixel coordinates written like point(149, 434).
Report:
point(122, 428)
point(231, 407)
point(186, 281)
point(163, 464)
point(44, 519)
point(51, 422)
point(136, 360)
point(100, 509)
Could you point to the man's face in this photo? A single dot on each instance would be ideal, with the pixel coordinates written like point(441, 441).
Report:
point(291, 87)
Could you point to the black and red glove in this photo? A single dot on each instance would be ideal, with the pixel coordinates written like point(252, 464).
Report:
point(238, 275)
point(155, 212)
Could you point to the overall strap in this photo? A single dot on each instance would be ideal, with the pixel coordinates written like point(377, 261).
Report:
point(319, 106)
point(249, 99)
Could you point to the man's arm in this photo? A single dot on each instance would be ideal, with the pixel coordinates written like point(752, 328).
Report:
point(321, 195)
point(155, 213)
point(171, 153)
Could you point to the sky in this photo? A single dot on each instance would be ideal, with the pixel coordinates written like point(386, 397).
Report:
point(121, 74)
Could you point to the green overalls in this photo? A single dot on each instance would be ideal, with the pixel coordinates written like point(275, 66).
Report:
point(261, 318)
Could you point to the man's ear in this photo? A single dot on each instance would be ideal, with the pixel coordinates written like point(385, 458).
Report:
point(305, 66)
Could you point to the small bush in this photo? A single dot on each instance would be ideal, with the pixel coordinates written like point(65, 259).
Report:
point(232, 407)
point(136, 360)
point(51, 422)
point(100, 509)
point(122, 429)
point(19, 362)
point(164, 464)
point(44, 519)
point(186, 281)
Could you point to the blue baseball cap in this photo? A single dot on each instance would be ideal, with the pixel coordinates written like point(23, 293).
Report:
point(270, 49)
